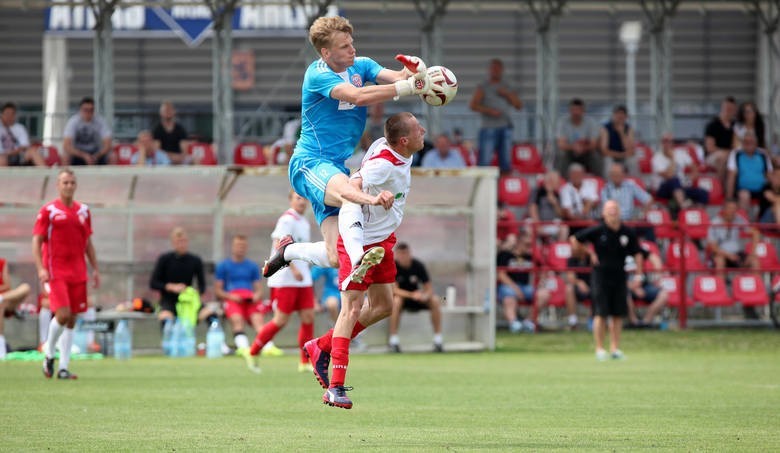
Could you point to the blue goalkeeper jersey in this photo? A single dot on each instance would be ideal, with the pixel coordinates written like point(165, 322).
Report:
point(331, 129)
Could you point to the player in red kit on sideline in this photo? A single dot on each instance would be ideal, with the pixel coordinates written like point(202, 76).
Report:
point(386, 167)
point(65, 226)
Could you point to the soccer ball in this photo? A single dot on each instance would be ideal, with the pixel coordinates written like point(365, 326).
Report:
point(444, 86)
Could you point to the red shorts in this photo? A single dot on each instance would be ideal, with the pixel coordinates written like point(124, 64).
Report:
point(247, 307)
point(383, 272)
point(291, 298)
point(64, 294)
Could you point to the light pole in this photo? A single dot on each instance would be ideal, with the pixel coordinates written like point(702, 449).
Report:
point(630, 34)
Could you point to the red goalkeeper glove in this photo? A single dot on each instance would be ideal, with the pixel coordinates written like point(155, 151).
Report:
point(413, 66)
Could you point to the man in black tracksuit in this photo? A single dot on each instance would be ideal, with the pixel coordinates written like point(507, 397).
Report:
point(612, 243)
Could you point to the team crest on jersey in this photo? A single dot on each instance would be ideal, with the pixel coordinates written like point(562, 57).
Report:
point(399, 195)
point(623, 240)
point(357, 80)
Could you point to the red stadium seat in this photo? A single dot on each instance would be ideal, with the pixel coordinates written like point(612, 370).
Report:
point(202, 153)
point(594, 180)
point(526, 159)
point(650, 246)
point(50, 155)
point(695, 221)
point(776, 284)
point(712, 185)
point(710, 290)
point(557, 289)
point(692, 258)
point(749, 290)
point(514, 190)
point(123, 153)
point(558, 254)
point(638, 181)
point(469, 156)
point(249, 154)
point(645, 155)
point(765, 253)
point(671, 285)
point(662, 221)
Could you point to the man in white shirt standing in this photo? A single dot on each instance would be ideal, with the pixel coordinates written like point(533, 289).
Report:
point(386, 167)
point(15, 146)
point(291, 287)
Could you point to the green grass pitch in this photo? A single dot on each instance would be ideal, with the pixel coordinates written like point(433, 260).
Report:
point(677, 391)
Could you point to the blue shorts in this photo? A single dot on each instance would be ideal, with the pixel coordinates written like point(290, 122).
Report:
point(327, 293)
point(651, 293)
point(507, 291)
point(309, 177)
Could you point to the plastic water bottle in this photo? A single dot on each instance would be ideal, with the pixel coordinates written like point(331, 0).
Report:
point(186, 339)
point(123, 341)
point(167, 338)
point(80, 338)
point(176, 339)
point(214, 339)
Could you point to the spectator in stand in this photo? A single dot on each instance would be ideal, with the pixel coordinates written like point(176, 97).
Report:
point(719, 137)
point(546, 207)
point(577, 283)
point(10, 298)
point(413, 291)
point(171, 135)
point(87, 138)
point(749, 119)
point(578, 140)
point(748, 171)
point(280, 150)
point(769, 203)
point(443, 155)
point(645, 290)
point(15, 146)
point(670, 180)
point(616, 140)
point(514, 283)
point(626, 192)
point(492, 100)
point(725, 242)
point(326, 288)
point(577, 198)
point(148, 154)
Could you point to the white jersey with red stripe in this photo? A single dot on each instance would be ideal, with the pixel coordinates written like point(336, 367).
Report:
point(384, 169)
point(298, 227)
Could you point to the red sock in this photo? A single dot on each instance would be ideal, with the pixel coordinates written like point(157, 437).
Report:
point(325, 341)
point(264, 336)
point(305, 333)
point(340, 359)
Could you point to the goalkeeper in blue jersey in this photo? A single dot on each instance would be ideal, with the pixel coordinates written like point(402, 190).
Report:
point(335, 94)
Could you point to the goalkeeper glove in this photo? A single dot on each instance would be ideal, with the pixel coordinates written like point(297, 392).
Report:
point(412, 85)
point(413, 66)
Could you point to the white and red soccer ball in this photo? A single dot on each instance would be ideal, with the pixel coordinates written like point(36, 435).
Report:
point(444, 86)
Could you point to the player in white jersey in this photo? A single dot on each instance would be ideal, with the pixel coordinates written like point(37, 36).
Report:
point(386, 166)
point(291, 287)
point(335, 92)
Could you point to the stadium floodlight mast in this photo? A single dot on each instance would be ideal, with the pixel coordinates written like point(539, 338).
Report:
point(630, 35)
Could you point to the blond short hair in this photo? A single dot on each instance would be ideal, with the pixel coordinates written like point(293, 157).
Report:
point(322, 31)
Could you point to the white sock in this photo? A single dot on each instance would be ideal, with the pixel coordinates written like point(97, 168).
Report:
point(2, 347)
point(572, 320)
point(394, 340)
point(90, 315)
point(54, 334)
point(268, 345)
point(311, 252)
point(241, 341)
point(67, 344)
point(44, 318)
point(351, 230)
point(437, 338)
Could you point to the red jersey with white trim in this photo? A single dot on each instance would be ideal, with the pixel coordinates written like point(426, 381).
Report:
point(298, 227)
point(384, 169)
point(65, 230)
